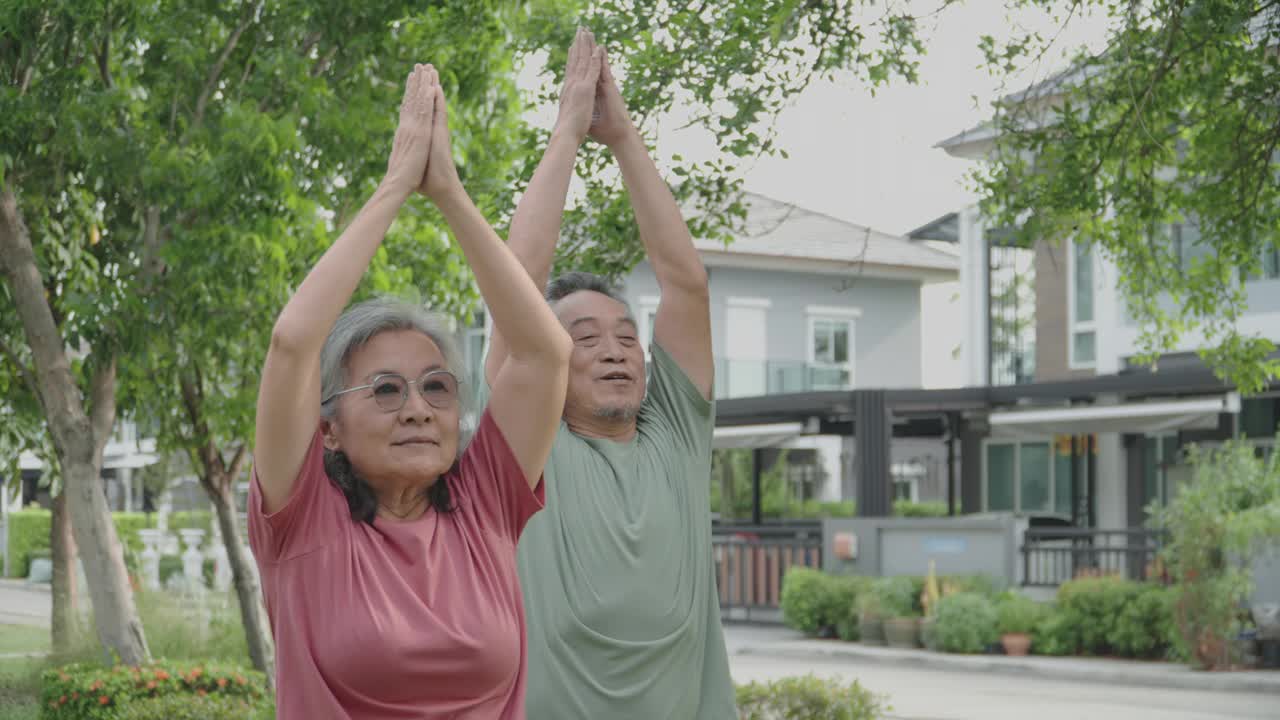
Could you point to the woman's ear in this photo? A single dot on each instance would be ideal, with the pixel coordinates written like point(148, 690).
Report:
point(329, 432)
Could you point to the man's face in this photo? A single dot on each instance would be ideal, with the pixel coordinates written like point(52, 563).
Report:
point(606, 370)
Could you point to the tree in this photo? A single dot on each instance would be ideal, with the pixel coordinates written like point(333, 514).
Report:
point(178, 184)
point(1175, 123)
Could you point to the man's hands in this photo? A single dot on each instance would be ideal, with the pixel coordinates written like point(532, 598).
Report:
point(577, 97)
point(412, 144)
point(612, 125)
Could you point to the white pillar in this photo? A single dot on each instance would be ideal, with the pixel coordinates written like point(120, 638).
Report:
point(125, 475)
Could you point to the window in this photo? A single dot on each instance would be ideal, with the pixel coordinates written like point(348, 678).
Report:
point(1082, 348)
point(746, 336)
point(646, 317)
point(1029, 477)
point(831, 347)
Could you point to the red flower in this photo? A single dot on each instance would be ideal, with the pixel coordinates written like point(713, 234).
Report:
point(97, 685)
point(151, 685)
point(162, 675)
point(62, 700)
point(104, 700)
point(240, 679)
point(222, 682)
point(75, 696)
point(201, 692)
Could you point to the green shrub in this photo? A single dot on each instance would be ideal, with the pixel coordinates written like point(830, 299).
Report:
point(1055, 635)
point(966, 623)
point(808, 698)
point(1017, 613)
point(1113, 616)
point(898, 596)
point(92, 692)
point(823, 509)
point(984, 585)
point(816, 603)
point(185, 707)
point(28, 532)
point(906, 508)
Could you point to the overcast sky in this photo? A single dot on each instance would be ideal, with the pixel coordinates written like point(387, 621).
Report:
point(871, 160)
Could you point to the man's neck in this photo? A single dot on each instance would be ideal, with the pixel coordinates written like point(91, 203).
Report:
point(602, 428)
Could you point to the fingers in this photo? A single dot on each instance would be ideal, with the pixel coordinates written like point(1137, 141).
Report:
point(440, 120)
point(571, 66)
point(594, 64)
point(606, 74)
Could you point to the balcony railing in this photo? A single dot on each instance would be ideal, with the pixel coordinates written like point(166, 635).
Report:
point(1052, 556)
point(751, 560)
point(751, 378)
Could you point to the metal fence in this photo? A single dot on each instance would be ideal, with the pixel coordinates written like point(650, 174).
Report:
point(751, 561)
point(1052, 556)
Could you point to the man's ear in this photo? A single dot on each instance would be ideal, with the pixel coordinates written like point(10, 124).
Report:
point(329, 432)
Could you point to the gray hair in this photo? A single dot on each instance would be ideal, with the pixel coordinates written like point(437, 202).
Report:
point(363, 321)
point(572, 282)
point(357, 326)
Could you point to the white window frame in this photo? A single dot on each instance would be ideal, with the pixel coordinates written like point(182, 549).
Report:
point(1073, 326)
point(847, 315)
point(648, 305)
point(1017, 473)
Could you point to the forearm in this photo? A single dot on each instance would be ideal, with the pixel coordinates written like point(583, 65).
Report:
point(663, 231)
point(315, 306)
point(535, 227)
point(531, 331)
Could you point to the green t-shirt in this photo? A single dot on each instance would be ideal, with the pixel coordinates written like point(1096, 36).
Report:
point(619, 585)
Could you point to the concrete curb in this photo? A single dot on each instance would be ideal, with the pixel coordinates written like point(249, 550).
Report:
point(1081, 670)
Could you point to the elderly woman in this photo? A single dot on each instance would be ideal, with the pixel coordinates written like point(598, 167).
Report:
point(387, 550)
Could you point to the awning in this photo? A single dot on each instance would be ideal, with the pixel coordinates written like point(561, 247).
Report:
point(755, 436)
point(1135, 417)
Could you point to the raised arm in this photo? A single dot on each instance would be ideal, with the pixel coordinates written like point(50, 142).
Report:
point(683, 323)
point(289, 395)
point(527, 395)
point(535, 227)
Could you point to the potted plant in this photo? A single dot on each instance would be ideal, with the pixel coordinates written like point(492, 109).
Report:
point(1017, 617)
point(871, 618)
point(902, 616)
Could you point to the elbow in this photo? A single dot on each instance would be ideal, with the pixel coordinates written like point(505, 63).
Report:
point(561, 348)
point(287, 339)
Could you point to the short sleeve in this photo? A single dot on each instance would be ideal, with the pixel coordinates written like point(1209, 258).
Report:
point(675, 402)
point(490, 480)
point(310, 518)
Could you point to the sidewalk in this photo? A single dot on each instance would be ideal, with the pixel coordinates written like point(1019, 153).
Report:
point(1069, 669)
point(23, 603)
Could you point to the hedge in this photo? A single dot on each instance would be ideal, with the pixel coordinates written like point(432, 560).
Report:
point(967, 623)
point(808, 698)
point(816, 603)
point(1109, 616)
point(206, 707)
point(29, 532)
point(93, 692)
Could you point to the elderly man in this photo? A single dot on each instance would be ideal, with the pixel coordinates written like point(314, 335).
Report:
point(617, 573)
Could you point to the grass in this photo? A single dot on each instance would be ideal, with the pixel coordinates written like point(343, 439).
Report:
point(23, 638)
point(172, 633)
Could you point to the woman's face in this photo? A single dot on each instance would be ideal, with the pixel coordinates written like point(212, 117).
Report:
point(396, 449)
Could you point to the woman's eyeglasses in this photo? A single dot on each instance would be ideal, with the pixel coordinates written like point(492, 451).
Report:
point(391, 390)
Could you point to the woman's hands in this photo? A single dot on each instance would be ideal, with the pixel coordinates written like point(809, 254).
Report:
point(411, 148)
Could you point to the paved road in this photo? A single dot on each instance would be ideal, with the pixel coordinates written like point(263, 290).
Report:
point(925, 694)
point(22, 606)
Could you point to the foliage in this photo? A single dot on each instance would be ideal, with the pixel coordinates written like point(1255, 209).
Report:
point(200, 707)
point(1174, 123)
point(898, 596)
point(906, 508)
point(85, 692)
point(1017, 613)
point(1109, 616)
point(815, 603)
point(1216, 525)
point(808, 698)
point(29, 532)
point(966, 623)
point(1056, 634)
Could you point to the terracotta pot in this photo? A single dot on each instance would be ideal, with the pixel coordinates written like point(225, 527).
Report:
point(871, 629)
point(902, 632)
point(1016, 643)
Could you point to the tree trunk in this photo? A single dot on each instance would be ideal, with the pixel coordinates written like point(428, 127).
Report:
point(77, 438)
point(64, 621)
point(253, 615)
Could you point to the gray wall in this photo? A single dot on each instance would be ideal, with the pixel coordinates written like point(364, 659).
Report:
point(904, 546)
point(887, 349)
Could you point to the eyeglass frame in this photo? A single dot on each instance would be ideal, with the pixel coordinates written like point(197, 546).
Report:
point(404, 395)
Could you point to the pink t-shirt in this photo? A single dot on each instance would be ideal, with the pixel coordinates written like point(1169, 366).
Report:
point(415, 619)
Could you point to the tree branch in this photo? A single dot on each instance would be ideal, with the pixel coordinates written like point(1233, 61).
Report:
point(215, 72)
point(237, 462)
point(102, 393)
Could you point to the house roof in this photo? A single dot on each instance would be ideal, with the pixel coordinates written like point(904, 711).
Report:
point(966, 143)
point(779, 230)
